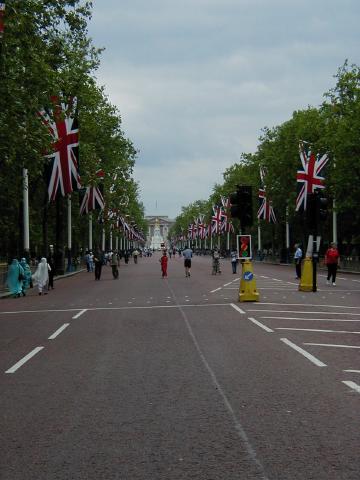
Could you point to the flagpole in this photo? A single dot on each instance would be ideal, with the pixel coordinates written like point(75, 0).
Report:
point(103, 240)
point(287, 226)
point(334, 219)
point(228, 241)
point(90, 231)
point(69, 238)
point(111, 239)
point(259, 237)
point(26, 211)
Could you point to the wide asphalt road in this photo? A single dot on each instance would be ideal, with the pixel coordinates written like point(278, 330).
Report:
point(145, 378)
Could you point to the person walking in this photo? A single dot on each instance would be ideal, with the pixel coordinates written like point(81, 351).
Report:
point(234, 259)
point(332, 259)
point(114, 262)
point(298, 257)
point(164, 263)
point(27, 276)
point(15, 278)
point(187, 254)
point(135, 255)
point(98, 261)
point(51, 264)
point(41, 276)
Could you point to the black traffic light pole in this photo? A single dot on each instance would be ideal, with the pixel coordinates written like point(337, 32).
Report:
point(317, 212)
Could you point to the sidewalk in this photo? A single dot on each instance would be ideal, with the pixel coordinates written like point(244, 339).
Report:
point(69, 274)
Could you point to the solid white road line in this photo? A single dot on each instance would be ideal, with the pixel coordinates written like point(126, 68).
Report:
point(61, 329)
point(316, 319)
point(352, 385)
point(306, 354)
point(332, 345)
point(79, 314)
point(94, 309)
point(316, 330)
point(237, 308)
point(25, 359)
point(227, 284)
point(261, 325)
point(352, 371)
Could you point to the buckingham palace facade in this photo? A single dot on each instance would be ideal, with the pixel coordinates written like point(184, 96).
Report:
point(158, 221)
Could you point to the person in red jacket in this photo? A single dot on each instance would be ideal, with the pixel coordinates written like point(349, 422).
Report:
point(332, 258)
point(164, 262)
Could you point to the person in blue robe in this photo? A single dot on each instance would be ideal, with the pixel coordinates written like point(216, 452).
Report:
point(27, 275)
point(15, 278)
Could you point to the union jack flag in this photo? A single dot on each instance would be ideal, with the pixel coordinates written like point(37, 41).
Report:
point(309, 177)
point(64, 131)
point(2, 15)
point(216, 219)
point(266, 211)
point(93, 199)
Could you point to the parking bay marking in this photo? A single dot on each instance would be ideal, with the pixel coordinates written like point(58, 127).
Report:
point(315, 319)
point(302, 311)
point(331, 345)
point(352, 385)
point(316, 330)
point(303, 352)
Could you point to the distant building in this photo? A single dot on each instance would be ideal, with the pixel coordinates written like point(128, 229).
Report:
point(159, 226)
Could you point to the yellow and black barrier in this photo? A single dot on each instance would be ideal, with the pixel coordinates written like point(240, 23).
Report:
point(248, 291)
point(306, 280)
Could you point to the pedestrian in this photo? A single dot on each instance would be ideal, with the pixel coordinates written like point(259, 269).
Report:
point(41, 276)
point(187, 254)
point(215, 261)
point(135, 255)
point(164, 263)
point(27, 282)
point(298, 257)
point(332, 259)
point(98, 261)
point(91, 262)
point(234, 259)
point(114, 262)
point(51, 264)
point(126, 256)
point(15, 278)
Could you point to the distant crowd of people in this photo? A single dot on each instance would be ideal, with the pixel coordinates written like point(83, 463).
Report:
point(20, 277)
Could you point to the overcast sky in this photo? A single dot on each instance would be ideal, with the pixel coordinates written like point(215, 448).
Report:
point(196, 80)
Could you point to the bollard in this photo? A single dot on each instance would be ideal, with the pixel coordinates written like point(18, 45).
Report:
point(248, 291)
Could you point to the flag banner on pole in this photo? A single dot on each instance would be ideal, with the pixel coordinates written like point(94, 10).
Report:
point(266, 211)
point(64, 159)
point(2, 18)
point(92, 198)
point(216, 219)
point(309, 178)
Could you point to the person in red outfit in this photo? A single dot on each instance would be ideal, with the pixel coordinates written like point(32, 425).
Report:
point(332, 258)
point(164, 262)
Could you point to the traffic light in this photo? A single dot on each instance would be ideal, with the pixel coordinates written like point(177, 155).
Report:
point(234, 205)
point(310, 214)
point(245, 201)
point(316, 210)
point(321, 206)
point(241, 205)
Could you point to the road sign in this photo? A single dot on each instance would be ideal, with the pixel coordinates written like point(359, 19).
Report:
point(248, 276)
